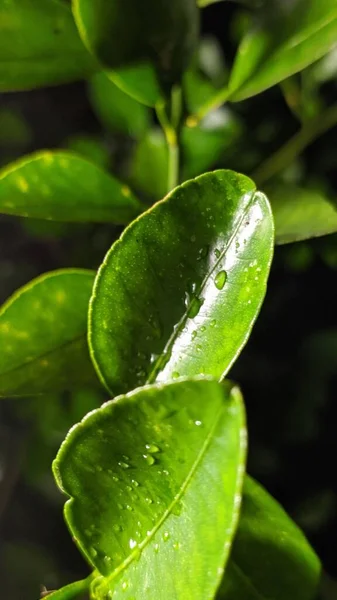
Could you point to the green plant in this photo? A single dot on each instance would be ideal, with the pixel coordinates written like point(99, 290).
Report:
point(159, 502)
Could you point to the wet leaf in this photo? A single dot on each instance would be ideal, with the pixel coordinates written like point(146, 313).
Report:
point(178, 294)
point(138, 472)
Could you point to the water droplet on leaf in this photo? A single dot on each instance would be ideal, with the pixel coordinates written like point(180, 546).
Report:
point(220, 279)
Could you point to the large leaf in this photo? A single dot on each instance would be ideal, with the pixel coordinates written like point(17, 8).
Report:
point(139, 472)
point(117, 110)
point(64, 187)
point(287, 37)
point(270, 558)
point(39, 45)
point(156, 36)
point(301, 213)
point(179, 292)
point(43, 327)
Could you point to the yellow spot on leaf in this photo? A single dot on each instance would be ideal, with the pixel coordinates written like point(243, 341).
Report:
point(5, 327)
point(44, 362)
point(22, 184)
point(60, 296)
point(126, 191)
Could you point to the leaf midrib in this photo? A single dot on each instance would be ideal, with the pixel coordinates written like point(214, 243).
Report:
point(41, 356)
point(169, 511)
point(161, 361)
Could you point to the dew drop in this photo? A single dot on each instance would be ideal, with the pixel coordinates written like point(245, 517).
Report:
point(156, 548)
point(194, 307)
point(152, 448)
point(125, 586)
point(149, 459)
point(203, 328)
point(166, 536)
point(132, 543)
point(134, 483)
point(93, 551)
point(220, 279)
point(203, 252)
point(213, 323)
point(198, 423)
point(176, 546)
point(123, 465)
point(175, 375)
point(217, 253)
point(129, 508)
point(194, 334)
point(199, 348)
point(117, 527)
point(115, 478)
point(148, 500)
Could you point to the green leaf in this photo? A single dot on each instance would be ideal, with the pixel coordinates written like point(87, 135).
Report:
point(117, 110)
point(73, 590)
point(157, 36)
point(62, 186)
point(39, 45)
point(179, 292)
point(90, 147)
point(149, 165)
point(139, 471)
point(301, 213)
point(270, 558)
point(43, 330)
point(288, 37)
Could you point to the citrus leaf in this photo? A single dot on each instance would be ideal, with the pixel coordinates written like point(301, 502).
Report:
point(301, 213)
point(69, 592)
point(63, 186)
point(43, 330)
point(288, 37)
point(178, 294)
point(138, 472)
point(115, 109)
point(145, 45)
point(39, 45)
point(267, 543)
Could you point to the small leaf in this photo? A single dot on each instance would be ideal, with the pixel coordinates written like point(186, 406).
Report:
point(157, 36)
point(301, 213)
point(288, 37)
point(39, 45)
point(138, 472)
point(115, 109)
point(62, 186)
point(270, 558)
point(68, 592)
point(157, 311)
point(43, 330)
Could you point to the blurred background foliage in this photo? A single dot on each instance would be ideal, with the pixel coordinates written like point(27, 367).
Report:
point(288, 371)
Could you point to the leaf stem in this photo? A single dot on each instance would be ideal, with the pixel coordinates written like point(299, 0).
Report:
point(311, 130)
point(73, 590)
point(170, 129)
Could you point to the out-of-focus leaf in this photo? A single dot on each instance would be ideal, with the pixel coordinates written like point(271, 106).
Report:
point(157, 36)
point(270, 558)
point(286, 38)
point(138, 472)
point(90, 147)
point(301, 213)
point(43, 328)
point(62, 186)
point(39, 45)
point(178, 293)
point(115, 109)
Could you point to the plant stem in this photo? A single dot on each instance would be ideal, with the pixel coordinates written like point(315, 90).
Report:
point(311, 130)
point(170, 129)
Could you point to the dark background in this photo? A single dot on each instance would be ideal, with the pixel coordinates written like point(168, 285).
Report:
point(287, 371)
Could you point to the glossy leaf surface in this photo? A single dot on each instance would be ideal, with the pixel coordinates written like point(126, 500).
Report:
point(154, 34)
point(139, 472)
point(40, 45)
point(287, 37)
point(72, 591)
point(301, 213)
point(270, 558)
point(64, 187)
point(43, 328)
point(178, 294)
point(116, 110)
